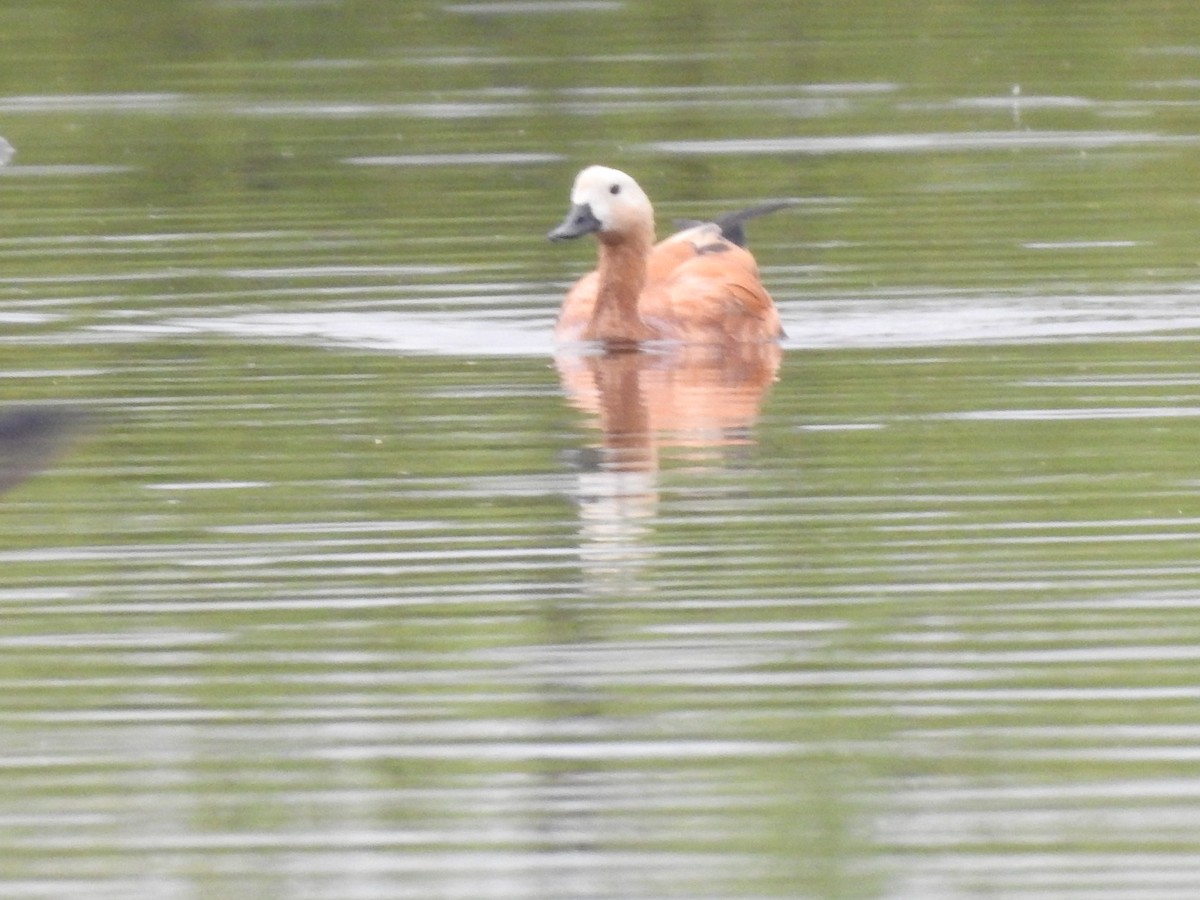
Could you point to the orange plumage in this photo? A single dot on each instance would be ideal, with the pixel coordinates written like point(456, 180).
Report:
point(697, 286)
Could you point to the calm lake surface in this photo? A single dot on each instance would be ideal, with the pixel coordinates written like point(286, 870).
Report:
point(350, 588)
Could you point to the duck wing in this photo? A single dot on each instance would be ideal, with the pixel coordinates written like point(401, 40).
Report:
point(732, 224)
point(714, 297)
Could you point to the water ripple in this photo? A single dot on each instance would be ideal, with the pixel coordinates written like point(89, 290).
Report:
point(935, 142)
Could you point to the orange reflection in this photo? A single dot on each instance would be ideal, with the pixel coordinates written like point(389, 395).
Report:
point(695, 402)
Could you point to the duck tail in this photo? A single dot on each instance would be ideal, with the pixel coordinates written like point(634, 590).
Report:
point(732, 224)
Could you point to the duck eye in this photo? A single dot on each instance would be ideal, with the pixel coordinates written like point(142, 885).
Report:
point(615, 189)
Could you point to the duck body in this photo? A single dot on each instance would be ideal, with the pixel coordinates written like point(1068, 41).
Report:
point(699, 286)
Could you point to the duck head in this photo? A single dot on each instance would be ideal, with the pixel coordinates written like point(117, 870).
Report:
point(605, 202)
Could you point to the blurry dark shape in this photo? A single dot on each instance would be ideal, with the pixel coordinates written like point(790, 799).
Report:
point(33, 437)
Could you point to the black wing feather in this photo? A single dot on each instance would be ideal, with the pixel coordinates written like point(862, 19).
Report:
point(732, 224)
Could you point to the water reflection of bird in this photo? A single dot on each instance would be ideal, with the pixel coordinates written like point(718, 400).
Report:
point(700, 401)
point(700, 285)
point(685, 396)
point(32, 437)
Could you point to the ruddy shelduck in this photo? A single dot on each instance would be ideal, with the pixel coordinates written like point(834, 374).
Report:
point(699, 286)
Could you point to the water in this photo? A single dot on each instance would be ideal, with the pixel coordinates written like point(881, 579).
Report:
point(346, 587)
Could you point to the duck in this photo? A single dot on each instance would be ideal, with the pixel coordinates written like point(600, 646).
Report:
point(698, 286)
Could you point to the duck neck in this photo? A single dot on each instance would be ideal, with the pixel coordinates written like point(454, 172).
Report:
point(615, 320)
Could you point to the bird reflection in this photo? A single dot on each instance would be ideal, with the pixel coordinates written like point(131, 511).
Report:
point(689, 401)
point(32, 437)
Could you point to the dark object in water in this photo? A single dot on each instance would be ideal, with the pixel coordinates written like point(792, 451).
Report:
point(32, 438)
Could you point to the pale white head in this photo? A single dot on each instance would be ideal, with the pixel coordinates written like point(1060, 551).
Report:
point(606, 202)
